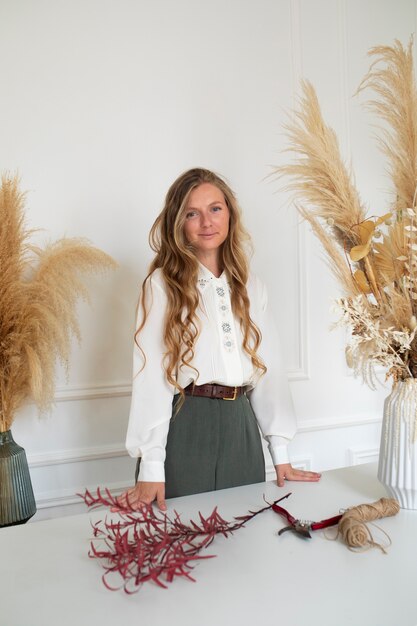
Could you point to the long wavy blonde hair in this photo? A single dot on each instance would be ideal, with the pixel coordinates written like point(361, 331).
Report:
point(176, 258)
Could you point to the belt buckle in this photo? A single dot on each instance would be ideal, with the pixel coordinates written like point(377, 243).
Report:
point(234, 395)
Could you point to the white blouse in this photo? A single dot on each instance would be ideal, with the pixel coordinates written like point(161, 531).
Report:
point(219, 358)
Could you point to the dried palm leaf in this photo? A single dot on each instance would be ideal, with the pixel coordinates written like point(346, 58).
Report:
point(392, 253)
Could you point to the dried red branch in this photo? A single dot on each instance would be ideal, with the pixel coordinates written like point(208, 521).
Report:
point(147, 545)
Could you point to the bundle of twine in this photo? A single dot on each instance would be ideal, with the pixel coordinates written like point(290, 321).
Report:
point(353, 529)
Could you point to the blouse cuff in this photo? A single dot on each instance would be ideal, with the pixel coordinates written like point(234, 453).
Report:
point(278, 448)
point(151, 472)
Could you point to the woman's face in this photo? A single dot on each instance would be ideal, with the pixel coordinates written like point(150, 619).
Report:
point(206, 220)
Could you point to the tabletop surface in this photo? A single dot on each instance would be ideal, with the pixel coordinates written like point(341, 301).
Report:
point(258, 577)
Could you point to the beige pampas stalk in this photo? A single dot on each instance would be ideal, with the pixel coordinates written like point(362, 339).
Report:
point(38, 293)
point(396, 103)
point(319, 176)
point(336, 259)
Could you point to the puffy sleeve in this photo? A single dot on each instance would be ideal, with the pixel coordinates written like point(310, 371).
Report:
point(271, 397)
point(152, 395)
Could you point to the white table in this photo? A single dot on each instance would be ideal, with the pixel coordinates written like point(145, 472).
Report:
point(46, 577)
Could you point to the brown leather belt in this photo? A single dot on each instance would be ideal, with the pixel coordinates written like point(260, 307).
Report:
point(217, 392)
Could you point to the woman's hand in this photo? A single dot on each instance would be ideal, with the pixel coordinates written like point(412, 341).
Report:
point(287, 472)
point(143, 493)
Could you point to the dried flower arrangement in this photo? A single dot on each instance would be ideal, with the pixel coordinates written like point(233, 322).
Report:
point(373, 258)
point(38, 293)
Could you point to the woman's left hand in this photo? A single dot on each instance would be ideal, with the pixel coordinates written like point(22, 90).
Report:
point(287, 472)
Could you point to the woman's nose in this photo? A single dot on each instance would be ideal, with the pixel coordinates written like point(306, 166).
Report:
point(206, 219)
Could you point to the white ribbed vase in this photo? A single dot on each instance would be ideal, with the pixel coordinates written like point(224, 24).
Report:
point(397, 468)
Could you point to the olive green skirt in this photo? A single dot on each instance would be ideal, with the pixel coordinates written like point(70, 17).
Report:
point(212, 444)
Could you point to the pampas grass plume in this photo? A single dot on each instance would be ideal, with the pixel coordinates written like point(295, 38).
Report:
point(39, 289)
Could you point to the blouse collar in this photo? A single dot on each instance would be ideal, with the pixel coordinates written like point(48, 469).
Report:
point(205, 278)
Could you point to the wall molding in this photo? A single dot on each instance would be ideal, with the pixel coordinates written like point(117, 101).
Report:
point(70, 393)
point(73, 393)
point(357, 456)
point(349, 421)
point(77, 455)
point(67, 497)
point(302, 372)
point(304, 463)
point(415, 30)
point(98, 453)
point(66, 501)
point(343, 73)
point(296, 48)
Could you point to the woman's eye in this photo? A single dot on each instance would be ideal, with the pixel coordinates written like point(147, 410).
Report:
point(217, 208)
point(190, 215)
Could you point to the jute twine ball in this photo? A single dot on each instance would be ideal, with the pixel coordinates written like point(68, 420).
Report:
point(352, 526)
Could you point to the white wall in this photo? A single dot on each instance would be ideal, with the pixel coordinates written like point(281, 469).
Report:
point(102, 104)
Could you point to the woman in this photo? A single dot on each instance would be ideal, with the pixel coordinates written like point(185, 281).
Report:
point(204, 337)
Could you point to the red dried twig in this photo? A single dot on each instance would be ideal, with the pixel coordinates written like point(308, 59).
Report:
point(146, 545)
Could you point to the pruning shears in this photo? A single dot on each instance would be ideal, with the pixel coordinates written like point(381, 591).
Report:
point(301, 527)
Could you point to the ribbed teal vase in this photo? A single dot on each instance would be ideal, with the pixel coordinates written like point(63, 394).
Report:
point(17, 503)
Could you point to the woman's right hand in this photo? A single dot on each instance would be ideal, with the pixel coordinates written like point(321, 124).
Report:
point(143, 493)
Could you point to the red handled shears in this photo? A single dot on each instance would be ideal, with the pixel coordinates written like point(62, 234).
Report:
point(303, 527)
